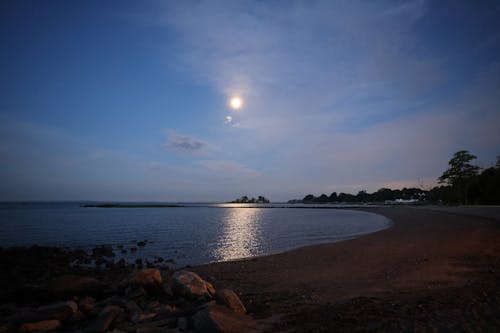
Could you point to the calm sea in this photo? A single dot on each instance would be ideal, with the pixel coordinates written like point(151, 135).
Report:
point(194, 234)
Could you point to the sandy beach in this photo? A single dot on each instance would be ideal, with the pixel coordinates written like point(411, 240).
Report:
point(434, 269)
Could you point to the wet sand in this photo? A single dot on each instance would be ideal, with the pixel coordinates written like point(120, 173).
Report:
point(433, 270)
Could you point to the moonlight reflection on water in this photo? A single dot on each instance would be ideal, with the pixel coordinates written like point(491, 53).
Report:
point(190, 235)
point(241, 234)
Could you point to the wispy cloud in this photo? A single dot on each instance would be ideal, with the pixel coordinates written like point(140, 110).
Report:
point(189, 145)
point(229, 167)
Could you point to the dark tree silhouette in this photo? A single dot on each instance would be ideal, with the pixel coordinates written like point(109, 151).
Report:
point(460, 173)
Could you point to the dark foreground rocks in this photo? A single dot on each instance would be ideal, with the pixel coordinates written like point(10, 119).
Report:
point(122, 299)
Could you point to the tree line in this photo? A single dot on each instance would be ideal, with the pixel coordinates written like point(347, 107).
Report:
point(465, 183)
point(382, 195)
point(462, 183)
point(245, 199)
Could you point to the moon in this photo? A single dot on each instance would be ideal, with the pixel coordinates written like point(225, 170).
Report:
point(236, 103)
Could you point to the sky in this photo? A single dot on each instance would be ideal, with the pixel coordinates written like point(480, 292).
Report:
point(130, 100)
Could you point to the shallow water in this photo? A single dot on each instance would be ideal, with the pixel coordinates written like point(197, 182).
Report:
point(189, 235)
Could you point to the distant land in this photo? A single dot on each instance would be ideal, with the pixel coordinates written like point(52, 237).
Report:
point(124, 205)
point(245, 199)
point(462, 183)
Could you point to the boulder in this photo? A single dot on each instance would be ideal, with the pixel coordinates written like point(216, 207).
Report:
point(157, 330)
point(87, 304)
point(121, 263)
point(182, 323)
point(189, 285)
point(229, 298)
point(60, 311)
point(159, 323)
point(142, 317)
point(73, 285)
point(145, 278)
point(44, 325)
point(135, 292)
point(132, 308)
point(102, 251)
point(8, 328)
point(210, 288)
point(219, 319)
point(104, 320)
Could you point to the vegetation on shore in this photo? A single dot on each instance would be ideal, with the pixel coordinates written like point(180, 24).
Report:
point(245, 199)
point(462, 183)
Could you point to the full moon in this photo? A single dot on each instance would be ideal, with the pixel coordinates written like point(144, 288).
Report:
point(235, 103)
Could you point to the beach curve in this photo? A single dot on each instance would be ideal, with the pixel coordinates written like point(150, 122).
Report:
point(425, 252)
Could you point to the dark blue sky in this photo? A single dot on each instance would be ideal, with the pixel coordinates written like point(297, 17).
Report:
point(130, 100)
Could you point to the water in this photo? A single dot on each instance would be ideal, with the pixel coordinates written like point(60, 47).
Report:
point(191, 235)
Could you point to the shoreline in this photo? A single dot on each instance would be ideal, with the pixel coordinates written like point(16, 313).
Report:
point(433, 269)
point(426, 253)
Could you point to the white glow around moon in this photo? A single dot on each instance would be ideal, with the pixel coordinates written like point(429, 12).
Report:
point(236, 103)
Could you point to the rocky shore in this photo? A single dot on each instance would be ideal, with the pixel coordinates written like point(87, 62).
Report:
point(48, 289)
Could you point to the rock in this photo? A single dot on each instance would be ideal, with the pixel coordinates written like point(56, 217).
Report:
point(44, 325)
point(182, 323)
point(104, 320)
point(73, 285)
point(77, 317)
point(60, 311)
point(121, 263)
point(218, 318)
point(145, 278)
point(210, 288)
point(156, 330)
point(132, 308)
point(102, 251)
point(109, 264)
point(86, 304)
point(135, 292)
point(163, 323)
point(166, 309)
point(142, 317)
point(80, 254)
point(229, 298)
point(189, 285)
point(8, 328)
point(153, 306)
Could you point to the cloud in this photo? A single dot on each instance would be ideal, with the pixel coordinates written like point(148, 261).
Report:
point(184, 144)
point(229, 167)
